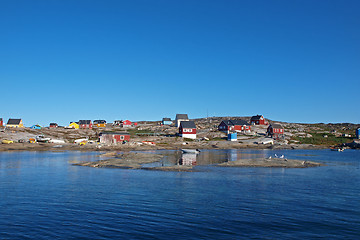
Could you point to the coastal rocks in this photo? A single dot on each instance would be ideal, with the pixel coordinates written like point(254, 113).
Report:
point(274, 162)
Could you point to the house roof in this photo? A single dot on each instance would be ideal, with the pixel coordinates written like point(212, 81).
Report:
point(1, 119)
point(235, 122)
point(99, 121)
point(114, 133)
point(84, 122)
point(53, 124)
point(14, 121)
point(166, 119)
point(182, 116)
point(187, 124)
point(257, 117)
point(276, 125)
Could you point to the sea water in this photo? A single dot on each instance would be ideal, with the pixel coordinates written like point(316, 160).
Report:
point(44, 196)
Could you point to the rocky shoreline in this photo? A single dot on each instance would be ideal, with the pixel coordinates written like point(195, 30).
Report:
point(137, 160)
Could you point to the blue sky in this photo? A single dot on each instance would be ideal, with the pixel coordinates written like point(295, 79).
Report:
point(296, 61)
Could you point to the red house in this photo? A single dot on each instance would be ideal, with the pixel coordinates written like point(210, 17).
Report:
point(85, 124)
point(258, 120)
point(114, 137)
point(234, 125)
point(187, 129)
point(275, 131)
point(127, 123)
point(53, 125)
point(1, 122)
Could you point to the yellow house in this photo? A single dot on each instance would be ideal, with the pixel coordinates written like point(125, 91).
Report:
point(15, 123)
point(73, 125)
point(99, 123)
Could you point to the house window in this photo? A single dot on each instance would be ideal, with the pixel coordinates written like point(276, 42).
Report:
point(122, 137)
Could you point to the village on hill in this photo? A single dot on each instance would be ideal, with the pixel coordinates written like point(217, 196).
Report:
point(207, 133)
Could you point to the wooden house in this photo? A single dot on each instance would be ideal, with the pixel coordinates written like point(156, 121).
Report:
point(234, 126)
point(127, 123)
point(180, 118)
point(187, 129)
point(85, 124)
point(166, 121)
point(1, 122)
point(258, 120)
point(15, 123)
point(36, 126)
point(53, 125)
point(275, 131)
point(113, 137)
point(99, 123)
point(73, 125)
point(117, 123)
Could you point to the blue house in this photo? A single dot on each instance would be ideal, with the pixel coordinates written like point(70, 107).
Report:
point(166, 121)
point(36, 126)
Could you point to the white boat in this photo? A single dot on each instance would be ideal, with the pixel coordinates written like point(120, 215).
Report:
point(81, 140)
point(337, 149)
point(42, 138)
point(56, 141)
point(190, 150)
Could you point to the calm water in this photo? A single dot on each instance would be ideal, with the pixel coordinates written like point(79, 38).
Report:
point(44, 197)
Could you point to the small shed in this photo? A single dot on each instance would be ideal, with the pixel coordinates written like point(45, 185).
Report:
point(187, 129)
point(36, 126)
point(232, 137)
point(357, 133)
point(114, 137)
point(117, 122)
point(73, 125)
point(53, 125)
point(127, 123)
point(1, 122)
point(15, 123)
point(166, 121)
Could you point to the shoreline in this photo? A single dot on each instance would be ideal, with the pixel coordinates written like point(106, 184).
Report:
point(134, 147)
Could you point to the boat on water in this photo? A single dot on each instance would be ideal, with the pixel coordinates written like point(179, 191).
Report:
point(337, 149)
point(190, 150)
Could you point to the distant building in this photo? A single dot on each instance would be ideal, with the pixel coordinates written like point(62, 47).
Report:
point(258, 120)
point(1, 122)
point(127, 123)
point(85, 124)
point(53, 125)
point(15, 123)
point(234, 126)
point(73, 125)
point(113, 137)
point(180, 118)
point(166, 121)
point(276, 131)
point(187, 129)
point(99, 123)
point(117, 122)
point(36, 126)
point(357, 133)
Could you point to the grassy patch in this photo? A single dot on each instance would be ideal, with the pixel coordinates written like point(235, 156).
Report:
point(319, 139)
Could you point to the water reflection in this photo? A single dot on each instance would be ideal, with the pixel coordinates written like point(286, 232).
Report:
point(188, 159)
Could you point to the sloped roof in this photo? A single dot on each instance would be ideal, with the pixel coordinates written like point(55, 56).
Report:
point(187, 124)
point(84, 122)
point(14, 121)
point(182, 116)
point(166, 119)
point(257, 117)
point(99, 121)
point(114, 133)
point(235, 122)
point(276, 125)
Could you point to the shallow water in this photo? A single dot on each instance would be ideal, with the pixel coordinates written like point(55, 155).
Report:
point(44, 196)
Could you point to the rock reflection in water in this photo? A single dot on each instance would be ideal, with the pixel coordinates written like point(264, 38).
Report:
point(188, 159)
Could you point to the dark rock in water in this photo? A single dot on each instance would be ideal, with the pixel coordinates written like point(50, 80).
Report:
point(354, 145)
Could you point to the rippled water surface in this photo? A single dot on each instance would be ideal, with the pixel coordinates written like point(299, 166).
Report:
point(43, 196)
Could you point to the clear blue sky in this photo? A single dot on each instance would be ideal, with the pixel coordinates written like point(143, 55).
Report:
point(296, 61)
